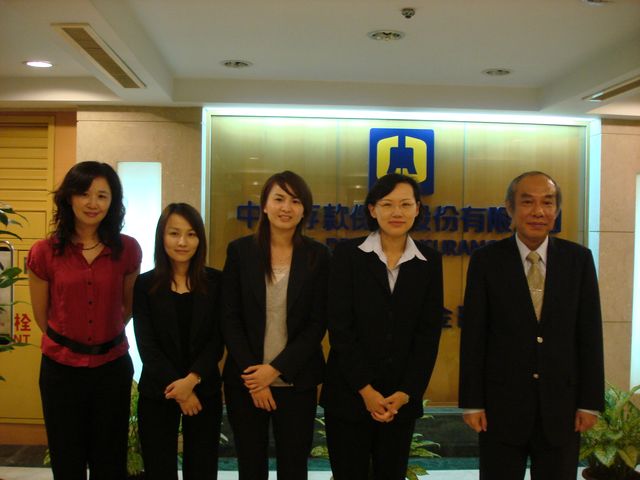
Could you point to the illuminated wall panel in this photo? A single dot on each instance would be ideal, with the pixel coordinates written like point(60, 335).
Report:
point(473, 164)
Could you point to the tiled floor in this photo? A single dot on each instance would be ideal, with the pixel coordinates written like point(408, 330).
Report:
point(20, 473)
point(17, 473)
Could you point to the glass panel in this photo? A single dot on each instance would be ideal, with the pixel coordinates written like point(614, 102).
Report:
point(142, 185)
point(473, 164)
point(635, 316)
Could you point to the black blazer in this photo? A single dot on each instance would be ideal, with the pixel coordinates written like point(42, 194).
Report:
point(387, 340)
point(244, 312)
point(157, 324)
point(503, 345)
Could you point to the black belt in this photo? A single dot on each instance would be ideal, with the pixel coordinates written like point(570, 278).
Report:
point(83, 348)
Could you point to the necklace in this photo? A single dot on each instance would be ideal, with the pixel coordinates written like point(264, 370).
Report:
point(91, 248)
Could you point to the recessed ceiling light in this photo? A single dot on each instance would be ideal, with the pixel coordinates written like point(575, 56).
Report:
point(385, 35)
point(497, 72)
point(596, 3)
point(236, 63)
point(38, 63)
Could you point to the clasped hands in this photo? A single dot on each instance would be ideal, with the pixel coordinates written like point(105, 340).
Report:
point(181, 391)
point(383, 409)
point(257, 379)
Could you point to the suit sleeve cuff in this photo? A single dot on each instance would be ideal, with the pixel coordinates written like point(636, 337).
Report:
point(592, 412)
point(466, 411)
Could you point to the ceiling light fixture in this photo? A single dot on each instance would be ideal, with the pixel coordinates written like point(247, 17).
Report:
point(614, 90)
point(386, 35)
point(408, 12)
point(38, 63)
point(236, 63)
point(497, 72)
point(596, 3)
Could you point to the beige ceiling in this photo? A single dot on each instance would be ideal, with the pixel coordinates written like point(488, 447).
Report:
point(316, 52)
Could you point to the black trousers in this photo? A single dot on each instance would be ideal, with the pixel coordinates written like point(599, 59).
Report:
point(355, 447)
point(292, 421)
point(86, 413)
point(158, 421)
point(502, 461)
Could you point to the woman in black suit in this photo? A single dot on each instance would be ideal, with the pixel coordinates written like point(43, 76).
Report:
point(177, 326)
point(273, 323)
point(385, 318)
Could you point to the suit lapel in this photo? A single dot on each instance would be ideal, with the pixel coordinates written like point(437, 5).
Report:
point(378, 270)
point(411, 279)
point(198, 316)
point(297, 274)
point(553, 270)
point(516, 278)
point(256, 275)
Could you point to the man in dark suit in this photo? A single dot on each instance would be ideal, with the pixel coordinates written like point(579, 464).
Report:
point(531, 360)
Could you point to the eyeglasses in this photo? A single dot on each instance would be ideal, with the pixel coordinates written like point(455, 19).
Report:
point(388, 207)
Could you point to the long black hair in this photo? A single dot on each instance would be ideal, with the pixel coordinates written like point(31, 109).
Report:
point(294, 185)
point(76, 182)
point(163, 273)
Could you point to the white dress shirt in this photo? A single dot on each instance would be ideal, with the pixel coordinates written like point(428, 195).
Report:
point(373, 244)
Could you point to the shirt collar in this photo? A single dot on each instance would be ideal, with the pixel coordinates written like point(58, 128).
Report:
point(373, 244)
point(541, 250)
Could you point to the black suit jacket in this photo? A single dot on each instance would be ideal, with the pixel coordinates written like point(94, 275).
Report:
point(243, 321)
point(503, 345)
point(157, 327)
point(388, 340)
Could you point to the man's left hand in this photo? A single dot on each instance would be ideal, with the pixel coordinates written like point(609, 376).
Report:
point(585, 421)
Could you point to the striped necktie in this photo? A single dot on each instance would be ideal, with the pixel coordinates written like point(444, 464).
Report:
point(536, 283)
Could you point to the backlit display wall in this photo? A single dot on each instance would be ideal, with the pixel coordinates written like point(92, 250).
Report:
point(463, 167)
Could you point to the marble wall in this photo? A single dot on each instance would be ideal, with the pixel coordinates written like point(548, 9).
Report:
point(171, 136)
point(620, 163)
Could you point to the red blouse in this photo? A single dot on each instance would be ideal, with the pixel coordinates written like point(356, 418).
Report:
point(85, 301)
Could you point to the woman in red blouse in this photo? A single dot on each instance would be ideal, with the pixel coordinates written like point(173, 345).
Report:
point(81, 281)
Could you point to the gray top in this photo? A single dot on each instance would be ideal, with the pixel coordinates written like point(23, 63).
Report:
point(275, 332)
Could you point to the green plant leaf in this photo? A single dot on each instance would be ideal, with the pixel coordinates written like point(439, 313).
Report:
point(11, 234)
point(606, 454)
point(585, 451)
point(629, 455)
point(414, 469)
point(320, 451)
point(6, 209)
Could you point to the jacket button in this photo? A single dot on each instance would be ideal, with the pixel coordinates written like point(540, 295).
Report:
point(539, 339)
point(536, 376)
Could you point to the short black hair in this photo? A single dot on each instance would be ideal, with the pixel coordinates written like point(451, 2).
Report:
point(383, 187)
point(510, 196)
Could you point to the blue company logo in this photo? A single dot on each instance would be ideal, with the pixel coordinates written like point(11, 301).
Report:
point(402, 150)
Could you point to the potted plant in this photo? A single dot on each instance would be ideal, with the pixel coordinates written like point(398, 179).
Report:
point(9, 275)
point(612, 446)
point(135, 466)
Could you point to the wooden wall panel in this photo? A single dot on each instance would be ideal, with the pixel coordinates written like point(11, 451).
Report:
point(26, 181)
